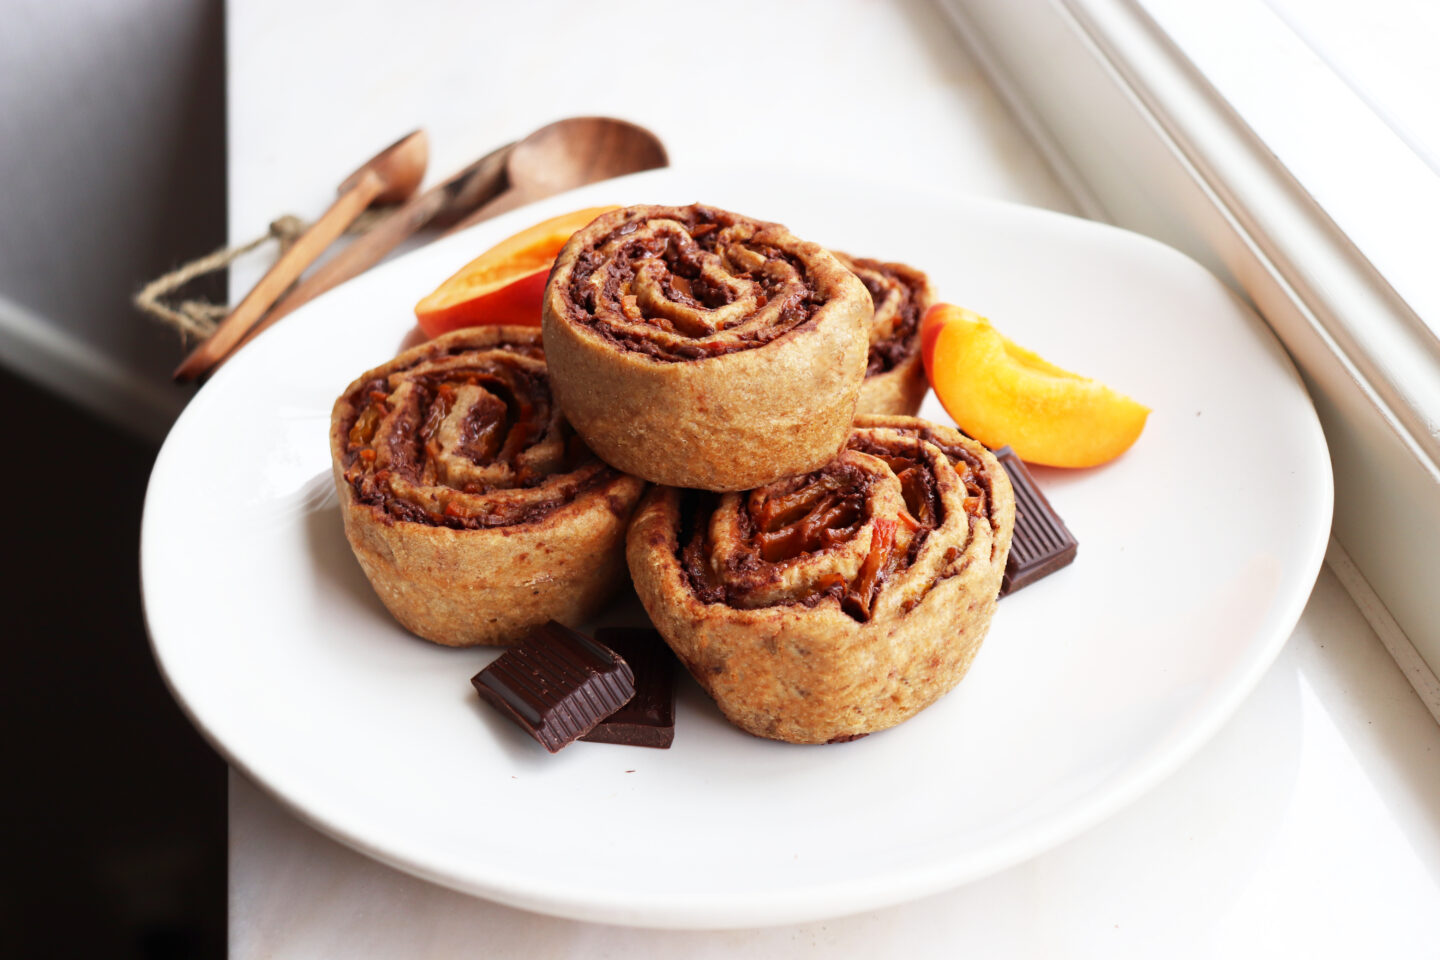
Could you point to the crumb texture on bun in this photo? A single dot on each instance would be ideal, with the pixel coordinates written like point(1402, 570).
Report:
point(826, 606)
point(698, 348)
point(469, 502)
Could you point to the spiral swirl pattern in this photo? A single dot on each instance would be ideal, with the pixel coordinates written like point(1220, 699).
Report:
point(465, 436)
point(471, 505)
point(685, 340)
point(685, 283)
point(874, 530)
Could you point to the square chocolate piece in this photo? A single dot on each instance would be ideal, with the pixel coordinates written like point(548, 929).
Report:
point(1041, 543)
point(556, 684)
point(648, 720)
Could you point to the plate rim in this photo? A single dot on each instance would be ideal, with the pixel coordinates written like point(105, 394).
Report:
point(834, 898)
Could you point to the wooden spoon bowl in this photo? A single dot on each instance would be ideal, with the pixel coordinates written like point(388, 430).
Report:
point(400, 167)
point(581, 150)
point(571, 153)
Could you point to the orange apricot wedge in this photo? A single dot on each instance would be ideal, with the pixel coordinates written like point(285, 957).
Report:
point(1001, 393)
point(505, 284)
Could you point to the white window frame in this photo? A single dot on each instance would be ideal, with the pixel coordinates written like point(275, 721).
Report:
point(1143, 138)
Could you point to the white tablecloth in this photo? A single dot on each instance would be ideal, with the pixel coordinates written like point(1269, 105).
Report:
point(1309, 826)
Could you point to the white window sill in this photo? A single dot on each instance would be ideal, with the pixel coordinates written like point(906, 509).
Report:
point(1146, 138)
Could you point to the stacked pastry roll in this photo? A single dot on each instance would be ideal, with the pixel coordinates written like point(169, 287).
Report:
point(698, 348)
point(822, 575)
point(823, 607)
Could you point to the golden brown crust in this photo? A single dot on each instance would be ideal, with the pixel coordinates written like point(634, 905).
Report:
point(467, 500)
point(895, 380)
point(777, 604)
point(696, 348)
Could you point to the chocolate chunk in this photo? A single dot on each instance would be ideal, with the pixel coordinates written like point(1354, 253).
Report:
point(557, 684)
point(648, 720)
point(1041, 544)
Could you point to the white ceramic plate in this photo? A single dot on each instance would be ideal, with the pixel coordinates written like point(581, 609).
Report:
point(1198, 549)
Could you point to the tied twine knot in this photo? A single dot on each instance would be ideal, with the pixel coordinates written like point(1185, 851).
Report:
point(199, 318)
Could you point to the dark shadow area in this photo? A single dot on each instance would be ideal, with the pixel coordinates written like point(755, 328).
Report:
point(114, 815)
point(115, 126)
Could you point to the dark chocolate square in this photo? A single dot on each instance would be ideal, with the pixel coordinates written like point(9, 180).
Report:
point(556, 684)
point(648, 720)
point(1041, 544)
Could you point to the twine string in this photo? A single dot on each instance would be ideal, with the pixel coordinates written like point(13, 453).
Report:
point(198, 318)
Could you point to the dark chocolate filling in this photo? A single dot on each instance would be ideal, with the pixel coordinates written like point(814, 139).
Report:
point(514, 411)
point(821, 510)
point(888, 353)
point(684, 284)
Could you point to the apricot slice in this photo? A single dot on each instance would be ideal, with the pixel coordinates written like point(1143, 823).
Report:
point(505, 284)
point(1001, 393)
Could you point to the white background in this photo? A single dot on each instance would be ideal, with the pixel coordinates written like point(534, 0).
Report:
point(1309, 826)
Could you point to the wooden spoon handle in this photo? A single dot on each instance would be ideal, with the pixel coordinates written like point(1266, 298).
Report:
point(509, 200)
point(285, 271)
point(453, 197)
point(359, 255)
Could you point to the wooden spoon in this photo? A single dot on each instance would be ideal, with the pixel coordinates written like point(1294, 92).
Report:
point(557, 157)
point(441, 205)
point(392, 175)
point(568, 154)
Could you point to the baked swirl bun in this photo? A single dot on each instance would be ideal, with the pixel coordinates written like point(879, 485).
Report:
point(830, 605)
point(698, 348)
point(470, 503)
point(895, 370)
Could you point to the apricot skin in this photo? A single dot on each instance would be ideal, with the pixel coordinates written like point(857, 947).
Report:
point(515, 304)
point(1001, 393)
